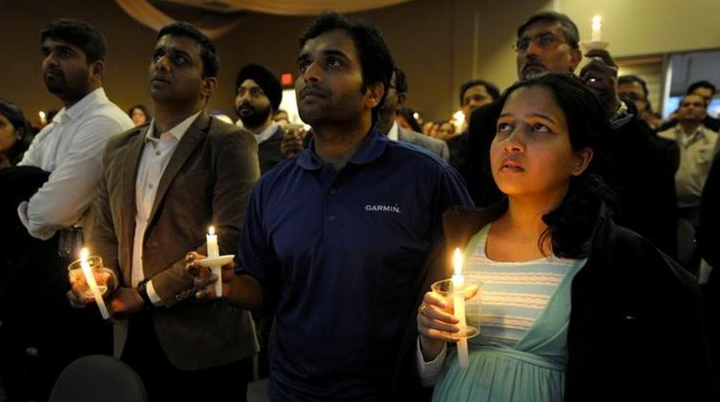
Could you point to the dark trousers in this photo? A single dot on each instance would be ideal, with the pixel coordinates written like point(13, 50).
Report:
point(164, 382)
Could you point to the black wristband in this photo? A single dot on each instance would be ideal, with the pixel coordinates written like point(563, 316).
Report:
point(142, 290)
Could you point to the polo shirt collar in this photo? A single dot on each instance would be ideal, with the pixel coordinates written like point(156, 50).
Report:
point(372, 147)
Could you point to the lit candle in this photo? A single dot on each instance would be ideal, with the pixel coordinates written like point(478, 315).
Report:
point(90, 279)
point(214, 252)
point(596, 36)
point(458, 282)
point(42, 117)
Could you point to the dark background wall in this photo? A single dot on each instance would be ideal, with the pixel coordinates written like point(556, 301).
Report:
point(421, 35)
point(439, 43)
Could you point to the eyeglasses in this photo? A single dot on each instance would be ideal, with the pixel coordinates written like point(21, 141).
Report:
point(633, 96)
point(543, 40)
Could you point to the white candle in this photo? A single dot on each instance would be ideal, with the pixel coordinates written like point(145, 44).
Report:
point(214, 252)
point(596, 36)
point(90, 279)
point(458, 281)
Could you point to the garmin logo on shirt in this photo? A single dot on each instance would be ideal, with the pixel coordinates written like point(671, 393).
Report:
point(383, 208)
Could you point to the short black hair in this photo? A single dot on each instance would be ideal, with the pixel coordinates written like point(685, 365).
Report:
point(375, 59)
point(630, 78)
point(208, 51)
point(77, 33)
point(491, 89)
point(572, 35)
point(701, 84)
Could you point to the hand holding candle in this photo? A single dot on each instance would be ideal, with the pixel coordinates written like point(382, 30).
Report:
point(90, 279)
point(458, 282)
point(214, 252)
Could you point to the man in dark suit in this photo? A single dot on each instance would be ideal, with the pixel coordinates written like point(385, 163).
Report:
point(258, 98)
point(394, 100)
point(163, 184)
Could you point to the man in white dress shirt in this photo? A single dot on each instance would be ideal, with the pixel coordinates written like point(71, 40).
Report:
point(40, 334)
point(71, 146)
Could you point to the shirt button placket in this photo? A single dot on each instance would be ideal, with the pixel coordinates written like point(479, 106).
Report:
point(332, 192)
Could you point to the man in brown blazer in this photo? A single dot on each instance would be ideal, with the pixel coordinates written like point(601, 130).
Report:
point(163, 184)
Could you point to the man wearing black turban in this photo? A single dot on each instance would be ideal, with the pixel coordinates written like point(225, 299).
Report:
point(258, 97)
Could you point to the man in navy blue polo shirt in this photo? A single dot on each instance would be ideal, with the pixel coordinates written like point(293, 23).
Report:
point(336, 238)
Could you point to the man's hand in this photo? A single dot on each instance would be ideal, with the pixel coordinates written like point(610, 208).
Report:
point(292, 141)
point(600, 75)
point(80, 295)
point(123, 302)
point(203, 278)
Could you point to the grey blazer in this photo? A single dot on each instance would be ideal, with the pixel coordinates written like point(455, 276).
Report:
point(208, 180)
point(433, 145)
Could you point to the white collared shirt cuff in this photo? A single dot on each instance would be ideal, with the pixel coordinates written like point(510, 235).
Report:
point(152, 294)
point(429, 371)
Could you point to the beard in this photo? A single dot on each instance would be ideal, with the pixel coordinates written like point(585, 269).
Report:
point(55, 82)
point(252, 116)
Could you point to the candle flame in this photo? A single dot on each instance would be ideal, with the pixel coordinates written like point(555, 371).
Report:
point(458, 261)
point(211, 230)
point(84, 254)
point(42, 115)
point(596, 21)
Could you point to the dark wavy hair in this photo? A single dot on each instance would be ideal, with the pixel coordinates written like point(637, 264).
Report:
point(376, 60)
point(23, 130)
point(570, 224)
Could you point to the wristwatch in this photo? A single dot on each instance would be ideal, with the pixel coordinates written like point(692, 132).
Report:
point(142, 290)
